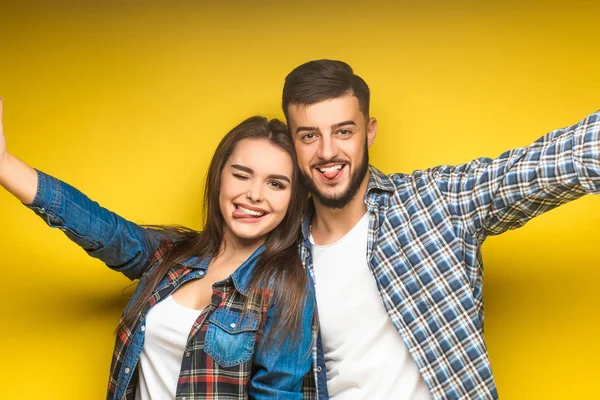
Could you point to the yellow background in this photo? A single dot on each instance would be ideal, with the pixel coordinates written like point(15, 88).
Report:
point(127, 101)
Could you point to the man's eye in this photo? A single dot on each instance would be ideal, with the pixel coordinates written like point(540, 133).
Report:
point(344, 132)
point(309, 136)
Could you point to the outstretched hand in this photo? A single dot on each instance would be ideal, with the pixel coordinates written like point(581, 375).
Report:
point(16, 176)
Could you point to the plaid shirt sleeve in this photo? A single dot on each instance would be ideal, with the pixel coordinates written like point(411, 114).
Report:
point(492, 196)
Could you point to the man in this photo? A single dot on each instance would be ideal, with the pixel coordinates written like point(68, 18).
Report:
point(395, 259)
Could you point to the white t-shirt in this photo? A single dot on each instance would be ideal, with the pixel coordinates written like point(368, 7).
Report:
point(168, 326)
point(364, 353)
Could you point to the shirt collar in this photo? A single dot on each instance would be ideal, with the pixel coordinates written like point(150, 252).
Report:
point(378, 181)
point(196, 263)
point(241, 276)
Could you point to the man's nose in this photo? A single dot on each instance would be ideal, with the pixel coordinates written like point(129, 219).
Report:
point(327, 148)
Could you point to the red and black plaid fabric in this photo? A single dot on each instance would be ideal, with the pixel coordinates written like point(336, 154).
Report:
point(201, 376)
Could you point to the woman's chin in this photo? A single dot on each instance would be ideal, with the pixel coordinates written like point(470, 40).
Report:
point(247, 237)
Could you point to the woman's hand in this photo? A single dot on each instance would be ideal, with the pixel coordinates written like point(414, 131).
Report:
point(16, 176)
point(2, 140)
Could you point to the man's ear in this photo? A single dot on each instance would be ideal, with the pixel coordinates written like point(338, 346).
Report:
point(371, 131)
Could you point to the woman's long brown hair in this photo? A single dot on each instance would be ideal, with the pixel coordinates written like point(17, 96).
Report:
point(279, 265)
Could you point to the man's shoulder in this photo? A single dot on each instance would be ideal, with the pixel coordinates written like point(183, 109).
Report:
point(397, 180)
point(401, 181)
point(422, 186)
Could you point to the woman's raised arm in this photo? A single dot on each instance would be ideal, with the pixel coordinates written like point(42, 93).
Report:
point(122, 245)
point(15, 176)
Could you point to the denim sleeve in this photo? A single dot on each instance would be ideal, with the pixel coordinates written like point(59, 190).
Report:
point(490, 196)
point(122, 245)
point(278, 370)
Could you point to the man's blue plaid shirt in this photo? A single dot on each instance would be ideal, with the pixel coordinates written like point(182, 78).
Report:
point(425, 235)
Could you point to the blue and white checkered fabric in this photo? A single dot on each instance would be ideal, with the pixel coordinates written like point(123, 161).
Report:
point(425, 235)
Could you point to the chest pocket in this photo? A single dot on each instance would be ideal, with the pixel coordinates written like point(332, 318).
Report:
point(229, 340)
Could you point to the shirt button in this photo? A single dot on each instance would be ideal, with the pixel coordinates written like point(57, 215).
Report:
point(201, 273)
point(143, 328)
point(233, 325)
point(127, 370)
point(187, 353)
point(319, 369)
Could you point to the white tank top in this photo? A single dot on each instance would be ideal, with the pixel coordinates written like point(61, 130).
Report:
point(364, 353)
point(168, 325)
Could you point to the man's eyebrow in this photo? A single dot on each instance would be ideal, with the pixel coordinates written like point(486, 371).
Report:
point(251, 171)
point(334, 126)
point(339, 125)
point(306, 128)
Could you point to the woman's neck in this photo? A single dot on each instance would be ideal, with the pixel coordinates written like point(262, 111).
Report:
point(234, 248)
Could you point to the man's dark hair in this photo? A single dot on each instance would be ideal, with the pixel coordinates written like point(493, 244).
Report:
point(320, 80)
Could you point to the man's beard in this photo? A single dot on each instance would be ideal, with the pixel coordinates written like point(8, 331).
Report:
point(340, 200)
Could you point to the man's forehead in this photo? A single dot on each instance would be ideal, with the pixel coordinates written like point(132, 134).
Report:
point(325, 113)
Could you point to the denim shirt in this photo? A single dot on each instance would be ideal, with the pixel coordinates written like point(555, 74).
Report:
point(224, 358)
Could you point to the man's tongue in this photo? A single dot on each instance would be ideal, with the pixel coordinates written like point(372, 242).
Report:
point(330, 173)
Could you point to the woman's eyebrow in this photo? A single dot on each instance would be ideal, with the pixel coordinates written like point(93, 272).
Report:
point(251, 171)
point(242, 168)
point(280, 177)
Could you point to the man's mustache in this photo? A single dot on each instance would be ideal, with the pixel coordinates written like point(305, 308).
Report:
point(332, 161)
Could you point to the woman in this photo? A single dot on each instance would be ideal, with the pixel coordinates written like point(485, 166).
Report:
point(221, 313)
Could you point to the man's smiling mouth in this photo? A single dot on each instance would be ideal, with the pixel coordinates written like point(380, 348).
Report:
point(330, 171)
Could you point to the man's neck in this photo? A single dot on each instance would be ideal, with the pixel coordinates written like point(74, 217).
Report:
point(331, 224)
